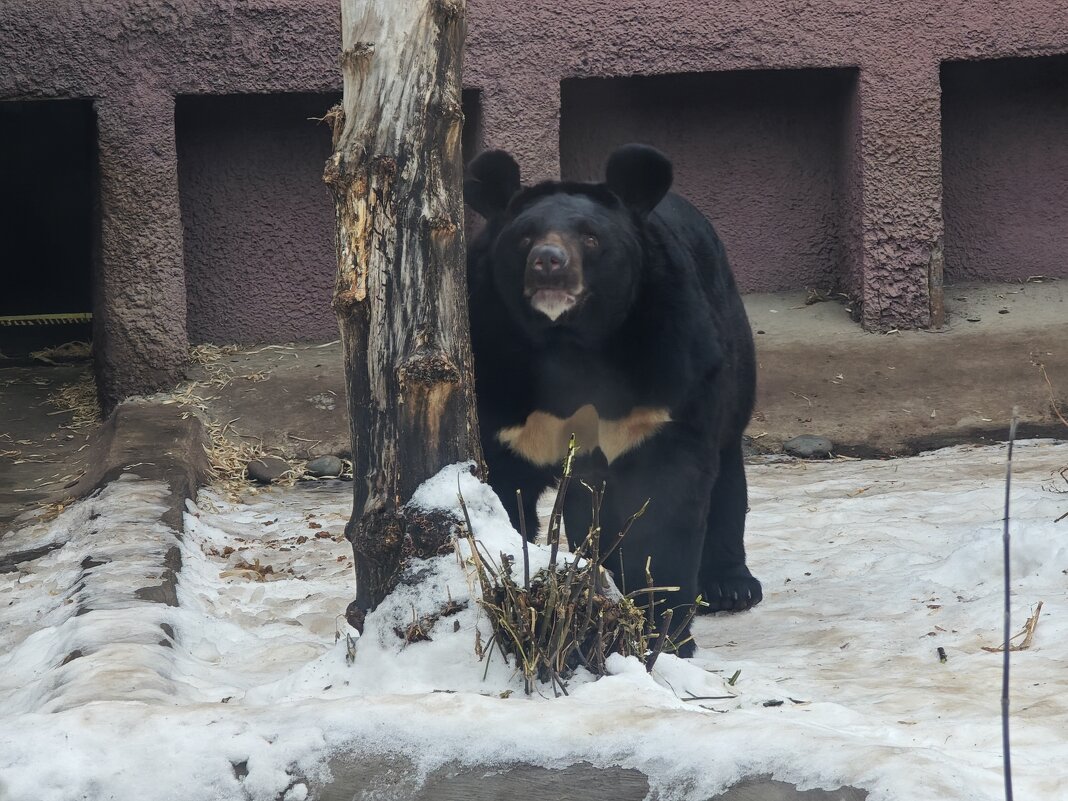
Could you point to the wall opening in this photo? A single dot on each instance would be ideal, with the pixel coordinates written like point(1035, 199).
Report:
point(759, 152)
point(471, 141)
point(47, 164)
point(258, 221)
point(1005, 168)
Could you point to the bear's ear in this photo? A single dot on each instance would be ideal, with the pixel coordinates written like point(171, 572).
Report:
point(492, 179)
point(640, 175)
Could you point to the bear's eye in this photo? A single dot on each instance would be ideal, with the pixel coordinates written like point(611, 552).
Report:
point(590, 241)
point(524, 243)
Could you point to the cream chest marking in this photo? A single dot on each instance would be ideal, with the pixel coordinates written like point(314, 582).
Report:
point(543, 438)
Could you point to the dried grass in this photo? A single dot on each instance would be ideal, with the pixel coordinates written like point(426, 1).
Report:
point(229, 452)
point(569, 615)
point(67, 352)
point(81, 399)
point(47, 512)
point(1028, 634)
point(209, 354)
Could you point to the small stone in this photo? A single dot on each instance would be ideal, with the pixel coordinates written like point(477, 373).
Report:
point(325, 466)
point(323, 401)
point(267, 469)
point(808, 446)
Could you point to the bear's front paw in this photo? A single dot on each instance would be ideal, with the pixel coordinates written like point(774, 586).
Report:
point(730, 590)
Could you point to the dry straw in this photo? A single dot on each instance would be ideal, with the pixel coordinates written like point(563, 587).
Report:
point(229, 452)
point(80, 399)
point(569, 615)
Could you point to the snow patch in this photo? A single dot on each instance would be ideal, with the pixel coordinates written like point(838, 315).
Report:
point(868, 567)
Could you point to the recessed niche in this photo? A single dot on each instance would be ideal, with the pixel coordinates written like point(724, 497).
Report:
point(258, 220)
point(1005, 168)
point(761, 153)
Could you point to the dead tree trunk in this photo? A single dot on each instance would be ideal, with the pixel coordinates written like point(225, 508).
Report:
point(401, 291)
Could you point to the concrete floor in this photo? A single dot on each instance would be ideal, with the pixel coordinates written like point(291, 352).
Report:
point(885, 394)
point(41, 457)
point(819, 373)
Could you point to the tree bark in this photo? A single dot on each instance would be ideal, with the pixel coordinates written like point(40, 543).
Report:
point(401, 289)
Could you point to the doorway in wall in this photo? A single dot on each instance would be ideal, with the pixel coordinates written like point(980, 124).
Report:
point(47, 164)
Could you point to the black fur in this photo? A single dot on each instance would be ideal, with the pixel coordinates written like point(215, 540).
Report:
point(492, 179)
point(659, 325)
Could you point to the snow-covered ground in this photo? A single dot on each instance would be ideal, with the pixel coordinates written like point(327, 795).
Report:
point(868, 568)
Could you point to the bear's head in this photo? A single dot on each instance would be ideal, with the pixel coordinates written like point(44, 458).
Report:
point(565, 256)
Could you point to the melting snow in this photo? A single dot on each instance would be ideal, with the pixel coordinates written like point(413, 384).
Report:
point(868, 568)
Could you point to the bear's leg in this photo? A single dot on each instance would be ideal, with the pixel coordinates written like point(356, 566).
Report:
point(725, 582)
point(508, 473)
point(674, 477)
point(591, 471)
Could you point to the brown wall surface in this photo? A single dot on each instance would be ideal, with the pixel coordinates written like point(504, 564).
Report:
point(891, 201)
point(852, 184)
point(131, 58)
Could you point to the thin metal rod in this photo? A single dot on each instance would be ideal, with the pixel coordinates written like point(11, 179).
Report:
point(1008, 627)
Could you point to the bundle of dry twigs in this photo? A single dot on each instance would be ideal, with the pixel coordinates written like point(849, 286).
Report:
point(569, 614)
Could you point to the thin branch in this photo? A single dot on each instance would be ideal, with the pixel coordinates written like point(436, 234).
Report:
point(558, 507)
point(661, 639)
point(523, 534)
point(1052, 395)
point(624, 532)
point(1008, 630)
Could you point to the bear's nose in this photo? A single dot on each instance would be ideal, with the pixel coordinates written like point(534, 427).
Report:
point(547, 259)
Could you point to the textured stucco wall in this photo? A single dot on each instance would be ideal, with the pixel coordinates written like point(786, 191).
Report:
point(1005, 168)
point(757, 151)
point(519, 51)
point(257, 217)
point(134, 56)
point(139, 334)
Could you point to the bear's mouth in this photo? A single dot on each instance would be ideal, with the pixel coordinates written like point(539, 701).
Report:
point(553, 303)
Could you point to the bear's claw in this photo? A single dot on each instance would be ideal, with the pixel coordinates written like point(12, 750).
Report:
point(731, 594)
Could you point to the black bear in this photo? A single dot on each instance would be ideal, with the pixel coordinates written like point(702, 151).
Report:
point(608, 310)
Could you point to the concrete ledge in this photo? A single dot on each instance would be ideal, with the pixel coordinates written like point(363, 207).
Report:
point(145, 461)
point(359, 777)
point(153, 442)
point(156, 442)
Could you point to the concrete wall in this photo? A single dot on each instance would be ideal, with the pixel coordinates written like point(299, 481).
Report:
point(1005, 168)
point(873, 179)
point(132, 58)
point(519, 52)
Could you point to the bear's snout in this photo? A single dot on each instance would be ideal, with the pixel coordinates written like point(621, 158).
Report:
point(547, 260)
point(553, 262)
point(553, 280)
